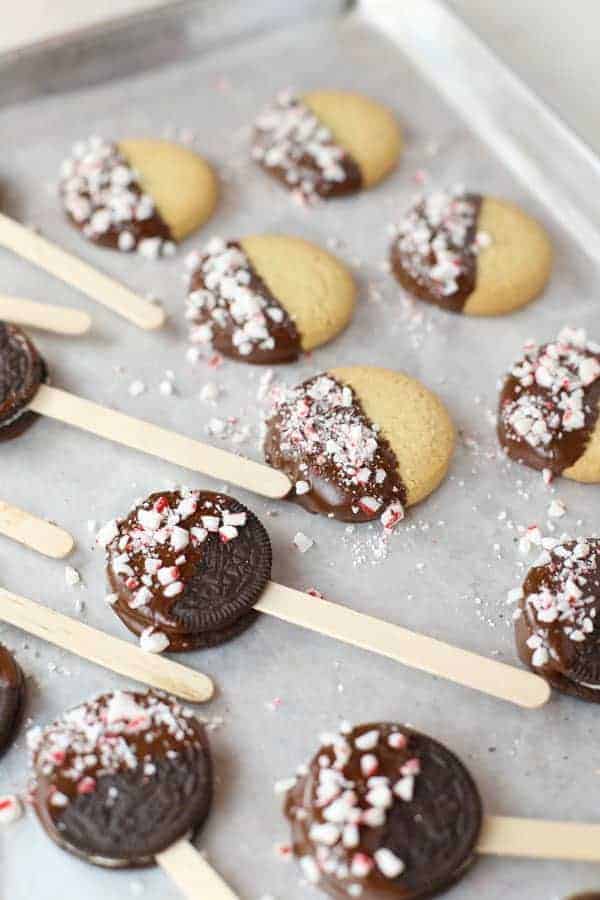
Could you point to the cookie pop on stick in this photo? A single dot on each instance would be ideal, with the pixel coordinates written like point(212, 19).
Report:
point(59, 319)
point(384, 811)
point(103, 649)
point(35, 533)
point(190, 570)
point(122, 781)
point(23, 393)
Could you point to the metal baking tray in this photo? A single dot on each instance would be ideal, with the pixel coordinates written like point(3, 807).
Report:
point(199, 72)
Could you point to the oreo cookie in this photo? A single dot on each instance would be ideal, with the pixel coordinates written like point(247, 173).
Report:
point(382, 810)
point(122, 777)
point(22, 370)
point(185, 569)
point(12, 697)
point(557, 627)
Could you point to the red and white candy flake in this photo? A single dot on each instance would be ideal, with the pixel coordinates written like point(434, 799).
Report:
point(432, 239)
point(101, 193)
point(287, 134)
point(10, 809)
point(568, 604)
point(227, 302)
point(346, 807)
point(169, 525)
point(319, 424)
point(551, 381)
point(103, 737)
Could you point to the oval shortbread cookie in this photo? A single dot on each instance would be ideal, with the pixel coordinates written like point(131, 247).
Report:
point(267, 298)
point(326, 143)
point(548, 413)
point(471, 253)
point(143, 195)
point(360, 443)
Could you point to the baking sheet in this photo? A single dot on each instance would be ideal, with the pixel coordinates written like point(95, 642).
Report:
point(448, 568)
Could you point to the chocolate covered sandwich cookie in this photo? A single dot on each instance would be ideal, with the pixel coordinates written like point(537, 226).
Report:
point(121, 778)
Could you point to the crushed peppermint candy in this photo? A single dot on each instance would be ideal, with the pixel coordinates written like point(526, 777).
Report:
point(317, 431)
point(560, 600)
point(550, 401)
point(116, 732)
point(11, 809)
point(294, 145)
point(436, 245)
point(347, 792)
point(231, 308)
point(103, 198)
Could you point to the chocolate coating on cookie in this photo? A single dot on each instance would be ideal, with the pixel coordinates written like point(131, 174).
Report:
point(121, 778)
point(186, 568)
point(558, 628)
point(549, 402)
point(434, 252)
point(103, 198)
point(294, 146)
point(340, 465)
point(231, 308)
point(383, 811)
point(22, 370)
point(12, 696)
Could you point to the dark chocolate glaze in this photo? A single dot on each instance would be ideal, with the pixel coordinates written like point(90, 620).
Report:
point(130, 814)
point(285, 335)
point(331, 492)
point(154, 226)
point(301, 172)
point(573, 667)
point(22, 370)
point(589, 895)
point(426, 288)
point(566, 447)
point(435, 834)
point(12, 697)
point(222, 581)
point(325, 189)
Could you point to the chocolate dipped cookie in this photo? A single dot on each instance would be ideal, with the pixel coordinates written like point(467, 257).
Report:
point(548, 411)
point(557, 628)
point(470, 253)
point(119, 779)
point(12, 697)
point(326, 144)
point(137, 195)
point(359, 443)
point(185, 569)
point(22, 370)
point(267, 298)
point(383, 811)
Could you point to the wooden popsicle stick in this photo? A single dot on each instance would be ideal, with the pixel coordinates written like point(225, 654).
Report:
point(79, 274)
point(35, 533)
point(175, 448)
point(538, 838)
point(103, 649)
point(59, 319)
point(408, 647)
point(192, 874)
